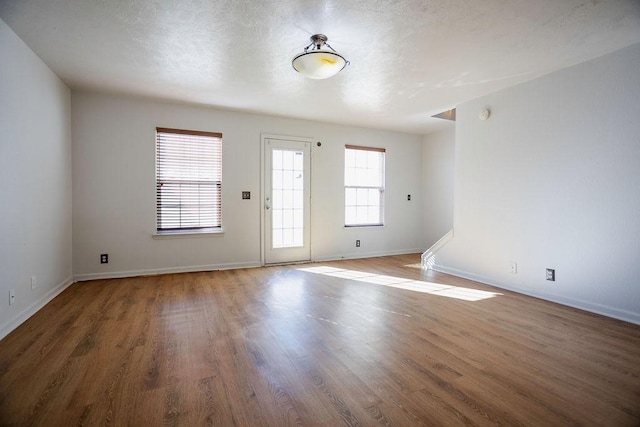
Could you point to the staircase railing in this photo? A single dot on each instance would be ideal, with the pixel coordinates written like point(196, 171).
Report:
point(428, 258)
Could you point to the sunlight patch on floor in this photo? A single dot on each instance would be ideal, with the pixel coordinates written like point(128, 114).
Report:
point(416, 265)
point(457, 292)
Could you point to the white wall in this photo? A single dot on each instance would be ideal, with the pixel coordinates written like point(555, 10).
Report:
point(35, 182)
point(114, 188)
point(552, 179)
point(438, 161)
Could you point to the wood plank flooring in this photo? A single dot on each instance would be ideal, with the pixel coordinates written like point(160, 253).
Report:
point(342, 343)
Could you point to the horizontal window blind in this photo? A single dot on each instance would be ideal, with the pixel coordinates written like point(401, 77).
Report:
point(188, 179)
point(364, 186)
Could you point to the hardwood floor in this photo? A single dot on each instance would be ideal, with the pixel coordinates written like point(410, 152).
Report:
point(316, 346)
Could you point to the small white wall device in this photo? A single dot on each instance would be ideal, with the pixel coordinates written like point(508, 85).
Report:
point(484, 114)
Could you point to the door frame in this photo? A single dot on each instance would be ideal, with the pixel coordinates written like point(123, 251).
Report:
point(263, 144)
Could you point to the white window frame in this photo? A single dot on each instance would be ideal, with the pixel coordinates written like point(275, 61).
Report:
point(355, 184)
point(203, 221)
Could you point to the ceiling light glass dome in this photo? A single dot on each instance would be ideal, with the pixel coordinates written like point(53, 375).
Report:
point(319, 63)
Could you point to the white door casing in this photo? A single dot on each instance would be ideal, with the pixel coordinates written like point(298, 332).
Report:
point(286, 199)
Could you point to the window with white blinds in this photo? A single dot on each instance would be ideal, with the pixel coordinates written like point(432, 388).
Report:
point(363, 186)
point(188, 180)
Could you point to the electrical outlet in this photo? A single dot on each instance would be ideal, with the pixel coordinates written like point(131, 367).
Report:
point(104, 258)
point(12, 296)
point(34, 283)
point(513, 267)
point(551, 274)
point(357, 243)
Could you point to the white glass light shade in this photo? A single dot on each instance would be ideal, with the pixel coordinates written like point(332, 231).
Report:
point(319, 64)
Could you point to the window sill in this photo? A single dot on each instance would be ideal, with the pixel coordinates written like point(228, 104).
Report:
point(187, 234)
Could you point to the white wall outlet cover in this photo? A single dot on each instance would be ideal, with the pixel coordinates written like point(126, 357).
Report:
point(484, 114)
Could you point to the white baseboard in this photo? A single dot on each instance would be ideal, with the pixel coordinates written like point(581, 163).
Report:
point(212, 267)
point(156, 271)
point(357, 255)
point(616, 313)
point(12, 324)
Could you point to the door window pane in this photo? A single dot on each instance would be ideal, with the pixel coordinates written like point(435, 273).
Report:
point(287, 209)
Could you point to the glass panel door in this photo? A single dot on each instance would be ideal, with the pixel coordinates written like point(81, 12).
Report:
point(287, 201)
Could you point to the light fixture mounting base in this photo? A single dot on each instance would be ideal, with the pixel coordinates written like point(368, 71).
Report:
point(318, 39)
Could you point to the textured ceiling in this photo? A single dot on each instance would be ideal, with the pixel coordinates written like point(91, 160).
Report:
point(410, 59)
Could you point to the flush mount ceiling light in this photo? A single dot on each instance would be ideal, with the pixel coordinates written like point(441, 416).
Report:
point(319, 63)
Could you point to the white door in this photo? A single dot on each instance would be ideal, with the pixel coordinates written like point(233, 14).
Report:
point(286, 200)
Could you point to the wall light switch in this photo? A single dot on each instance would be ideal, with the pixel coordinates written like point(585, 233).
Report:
point(551, 274)
point(246, 195)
